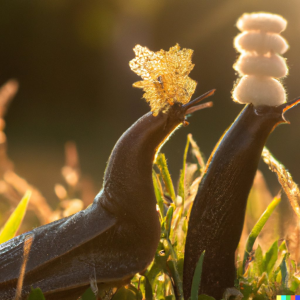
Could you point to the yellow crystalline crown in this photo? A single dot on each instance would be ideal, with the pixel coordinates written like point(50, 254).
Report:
point(165, 76)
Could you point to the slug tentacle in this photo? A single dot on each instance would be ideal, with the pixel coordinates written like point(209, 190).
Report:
point(217, 216)
point(286, 106)
point(192, 107)
point(260, 63)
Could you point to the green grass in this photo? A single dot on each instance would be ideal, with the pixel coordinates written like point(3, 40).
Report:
point(12, 225)
point(260, 275)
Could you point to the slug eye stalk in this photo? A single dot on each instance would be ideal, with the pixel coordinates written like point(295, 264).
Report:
point(287, 106)
point(276, 112)
point(192, 107)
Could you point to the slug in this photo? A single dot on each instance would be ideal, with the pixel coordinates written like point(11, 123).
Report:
point(217, 216)
point(113, 239)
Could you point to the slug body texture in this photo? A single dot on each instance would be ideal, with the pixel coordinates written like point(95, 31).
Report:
point(217, 215)
point(260, 64)
point(110, 241)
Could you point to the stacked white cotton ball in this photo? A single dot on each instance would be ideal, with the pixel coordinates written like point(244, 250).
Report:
point(260, 63)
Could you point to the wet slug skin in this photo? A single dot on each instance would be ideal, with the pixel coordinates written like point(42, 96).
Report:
point(116, 237)
point(217, 215)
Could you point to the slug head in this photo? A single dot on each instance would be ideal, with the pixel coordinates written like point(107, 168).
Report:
point(176, 114)
point(179, 112)
point(274, 114)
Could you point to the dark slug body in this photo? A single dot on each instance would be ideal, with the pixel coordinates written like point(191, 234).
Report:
point(110, 241)
point(217, 215)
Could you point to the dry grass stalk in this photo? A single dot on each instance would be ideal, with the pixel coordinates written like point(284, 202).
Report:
point(7, 93)
point(196, 152)
point(292, 240)
point(291, 189)
point(13, 187)
point(37, 202)
point(78, 185)
point(71, 171)
point(26, 250)
point(285, 179)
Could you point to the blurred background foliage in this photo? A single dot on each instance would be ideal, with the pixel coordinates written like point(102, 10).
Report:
point(71, 59)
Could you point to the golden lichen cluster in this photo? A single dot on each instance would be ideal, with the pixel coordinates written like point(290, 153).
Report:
point(165, 76)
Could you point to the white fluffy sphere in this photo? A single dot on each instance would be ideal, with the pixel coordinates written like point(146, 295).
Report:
point(259, 91)
point(270, 65)
point(260, 42)
point(261, 21)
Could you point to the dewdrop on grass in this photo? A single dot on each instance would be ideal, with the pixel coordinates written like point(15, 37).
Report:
point(260, 64)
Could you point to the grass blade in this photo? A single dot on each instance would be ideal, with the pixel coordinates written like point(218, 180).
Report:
point(181, 186)
point(12, 225)
point(158, 194)
point(258, 227)
point(166, 177)
point(270, 258)
point(172, 264)
point(258, 262)
point(197, 153)
point(26, 250)
point(88, 295)
point(169, 218)
point(197, 277)
point(148, 289)
point(284, 272)
point(124, 294)
point(36, 294)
